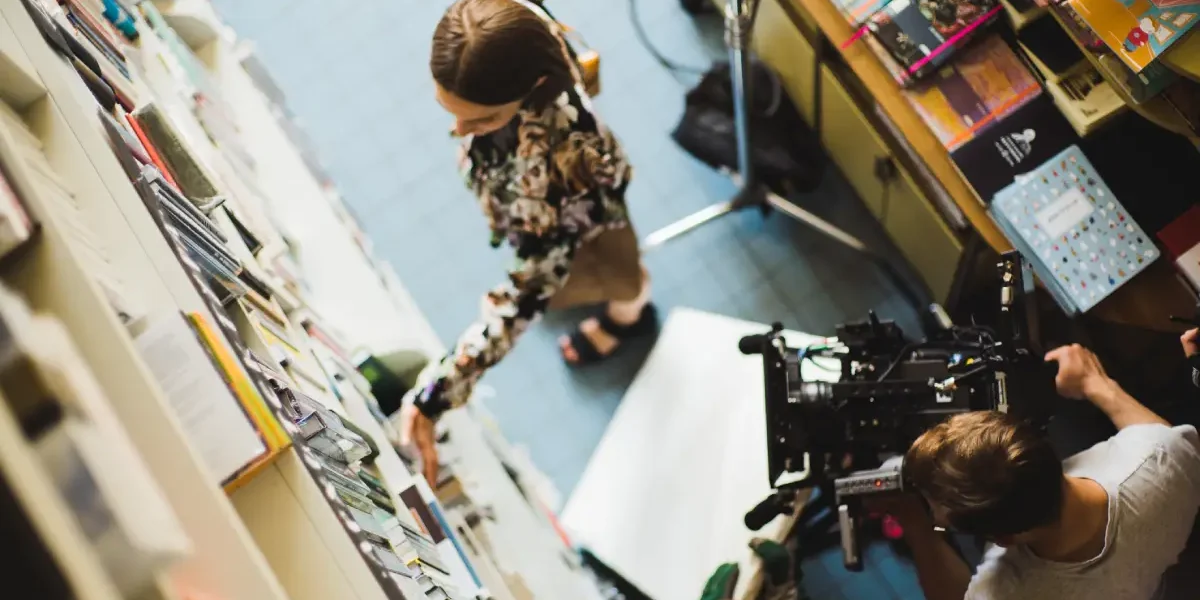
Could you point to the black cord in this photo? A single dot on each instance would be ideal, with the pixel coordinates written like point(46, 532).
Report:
point(644, 40)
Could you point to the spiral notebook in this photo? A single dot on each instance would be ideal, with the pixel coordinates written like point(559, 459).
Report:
point(1080, 239)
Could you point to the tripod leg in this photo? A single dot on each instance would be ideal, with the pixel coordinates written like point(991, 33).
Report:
point(738, 21)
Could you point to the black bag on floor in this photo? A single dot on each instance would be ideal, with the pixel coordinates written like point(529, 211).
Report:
point(786, 154)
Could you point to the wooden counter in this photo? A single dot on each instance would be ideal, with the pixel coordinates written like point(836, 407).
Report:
point(1145, 302)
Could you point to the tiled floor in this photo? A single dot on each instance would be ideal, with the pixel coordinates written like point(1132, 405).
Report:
point(356, 77)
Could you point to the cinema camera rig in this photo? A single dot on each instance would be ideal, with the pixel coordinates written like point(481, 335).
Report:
point(835, 436)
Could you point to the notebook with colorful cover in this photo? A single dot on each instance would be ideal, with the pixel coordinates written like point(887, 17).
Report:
point(985, 83)
point(1080, 239)
point(1138, 31)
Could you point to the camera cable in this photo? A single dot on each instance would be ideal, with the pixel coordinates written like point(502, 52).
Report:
point(644, 39)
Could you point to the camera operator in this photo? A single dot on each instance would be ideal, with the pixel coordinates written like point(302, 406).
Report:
point(1106, 523)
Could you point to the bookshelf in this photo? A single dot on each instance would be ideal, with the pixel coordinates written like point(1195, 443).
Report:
point(1156, 110)
point(113, 265)
point(194, 20)
point(19, 83)
point(1021, 19)
point(55, 279)
point(1184, 57)
point(49, 517)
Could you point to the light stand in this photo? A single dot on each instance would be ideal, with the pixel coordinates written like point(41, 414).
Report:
point(739, 18)
point(739, 21)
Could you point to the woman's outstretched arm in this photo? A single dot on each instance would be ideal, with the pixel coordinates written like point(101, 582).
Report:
point(507, 311)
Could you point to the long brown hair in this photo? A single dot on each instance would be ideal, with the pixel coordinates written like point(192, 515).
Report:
point(494, 52)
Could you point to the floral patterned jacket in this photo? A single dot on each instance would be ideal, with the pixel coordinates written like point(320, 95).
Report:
point(547, 182)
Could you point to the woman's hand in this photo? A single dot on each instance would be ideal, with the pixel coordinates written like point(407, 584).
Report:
point(418, 430)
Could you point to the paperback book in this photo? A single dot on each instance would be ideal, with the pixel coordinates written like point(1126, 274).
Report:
point(1029, 136)
point(985, 84)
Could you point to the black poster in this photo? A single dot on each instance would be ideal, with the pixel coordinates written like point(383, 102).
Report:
point(1016, 145)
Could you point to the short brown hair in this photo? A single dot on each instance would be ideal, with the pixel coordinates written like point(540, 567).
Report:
point(993, 474)
point(493, 52)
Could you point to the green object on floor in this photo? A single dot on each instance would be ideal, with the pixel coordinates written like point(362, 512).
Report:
point(720, 585)
point(777, 561)
point(781, 569)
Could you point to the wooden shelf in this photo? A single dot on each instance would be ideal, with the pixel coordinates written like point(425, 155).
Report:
point(882, 87)
point(1184, 56)
point(1156, 110)
point(1021, 19)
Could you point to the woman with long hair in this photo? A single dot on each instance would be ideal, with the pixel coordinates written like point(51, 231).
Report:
point(550, 179)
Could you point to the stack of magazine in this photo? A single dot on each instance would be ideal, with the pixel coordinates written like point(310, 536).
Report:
point(336, 453)
point(193, 233)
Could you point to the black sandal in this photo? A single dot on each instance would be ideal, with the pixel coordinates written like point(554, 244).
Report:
point(646, 324)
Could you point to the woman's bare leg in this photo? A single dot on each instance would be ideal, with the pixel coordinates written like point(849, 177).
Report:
point(622, 312)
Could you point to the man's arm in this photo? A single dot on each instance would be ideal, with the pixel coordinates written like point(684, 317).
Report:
point(1081, 376)
point(942, 572)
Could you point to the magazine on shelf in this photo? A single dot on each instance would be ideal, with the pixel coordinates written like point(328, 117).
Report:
point(1078, 236)
point(922, 35)
point(1138, 32)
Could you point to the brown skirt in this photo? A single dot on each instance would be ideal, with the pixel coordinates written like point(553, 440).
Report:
point(606, 268)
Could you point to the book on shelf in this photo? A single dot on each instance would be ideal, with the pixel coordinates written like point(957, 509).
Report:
point(1029, 136)
point(1138, 32)
point(986, 83)
point(857, 11)
point(1142, 86)
point(85, 450)
point(217, 406)
point(1086, 99)
point(28, 172)
point(1081, 241)
point(922, 35)
point(190, 175)
point(1181, 238)
point(1077, 28)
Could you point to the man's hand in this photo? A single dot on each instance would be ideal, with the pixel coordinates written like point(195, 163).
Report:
point(1191, 342)
point(1080, 374)
point(418, 430)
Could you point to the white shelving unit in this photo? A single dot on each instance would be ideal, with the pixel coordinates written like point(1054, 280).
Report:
point(49, 515)
point(194, 20)
point(54, 279)
point(275, 536)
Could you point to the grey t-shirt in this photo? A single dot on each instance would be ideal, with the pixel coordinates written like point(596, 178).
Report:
point(1152, 475)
